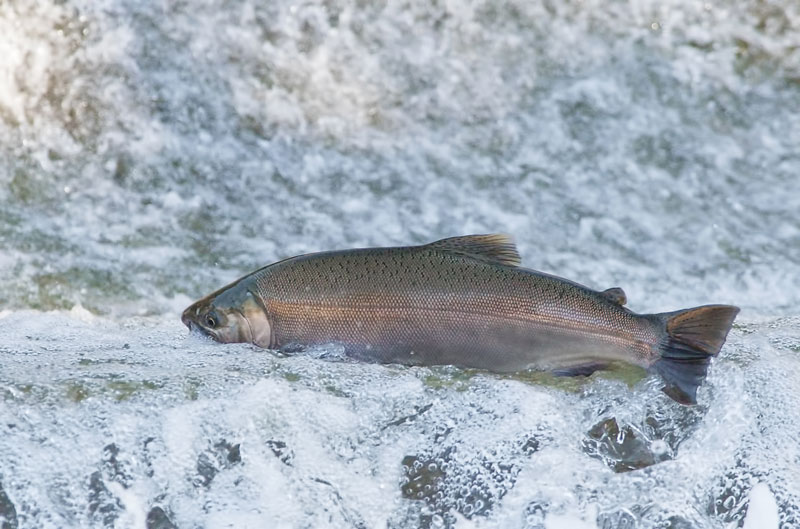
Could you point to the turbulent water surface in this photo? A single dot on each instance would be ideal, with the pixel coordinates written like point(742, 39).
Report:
point(153, 151)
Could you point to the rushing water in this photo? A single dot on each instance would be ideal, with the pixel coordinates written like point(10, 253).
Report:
point(152, 151)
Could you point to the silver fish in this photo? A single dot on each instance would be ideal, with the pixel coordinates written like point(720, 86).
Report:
point(464, 301)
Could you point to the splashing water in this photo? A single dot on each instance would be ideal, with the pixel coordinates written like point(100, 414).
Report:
point(152, 152)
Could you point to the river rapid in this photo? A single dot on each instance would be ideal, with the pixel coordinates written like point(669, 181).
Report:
point(151, 152)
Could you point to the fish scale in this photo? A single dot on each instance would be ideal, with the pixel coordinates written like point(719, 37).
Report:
point(446, 308)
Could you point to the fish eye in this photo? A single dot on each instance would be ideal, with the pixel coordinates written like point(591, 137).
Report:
point(211, 320)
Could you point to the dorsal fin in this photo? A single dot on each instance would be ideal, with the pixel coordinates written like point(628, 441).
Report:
point(495, 247)
point(616, 295)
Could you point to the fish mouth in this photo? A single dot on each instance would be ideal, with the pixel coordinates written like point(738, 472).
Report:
point(197, 329)
point(193, 326)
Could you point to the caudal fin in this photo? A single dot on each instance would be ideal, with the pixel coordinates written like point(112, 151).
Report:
point(693, 337)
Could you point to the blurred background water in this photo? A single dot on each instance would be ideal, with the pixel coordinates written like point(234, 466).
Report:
point(153, 151)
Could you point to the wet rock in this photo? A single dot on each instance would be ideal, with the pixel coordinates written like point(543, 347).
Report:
point(657, 437)
point(449, 483)
point(445, 485)
point(209, 464)
point(8, 513)
point(103, 506)
point(230, 452)
point(622, 448)
point(530, 445)
point(113, 468)
point(424, 478)
point(206, 470)
point(281, 451)
point(158, 519)
point(234, 454)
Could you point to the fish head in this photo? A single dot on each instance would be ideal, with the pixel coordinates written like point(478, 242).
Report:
point(230, 315)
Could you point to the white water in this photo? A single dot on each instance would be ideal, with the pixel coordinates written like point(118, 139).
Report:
point(151, 152)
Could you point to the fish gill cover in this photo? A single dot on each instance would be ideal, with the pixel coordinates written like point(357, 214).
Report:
point(153, 151)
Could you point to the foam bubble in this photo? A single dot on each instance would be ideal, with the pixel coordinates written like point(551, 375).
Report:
point(152, 152)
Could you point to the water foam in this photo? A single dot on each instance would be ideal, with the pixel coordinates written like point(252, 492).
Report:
point(153, 152)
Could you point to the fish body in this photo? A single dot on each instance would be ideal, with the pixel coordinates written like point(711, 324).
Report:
point(462, 301)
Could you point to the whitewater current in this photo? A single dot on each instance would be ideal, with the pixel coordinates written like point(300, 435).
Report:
point(152, 151)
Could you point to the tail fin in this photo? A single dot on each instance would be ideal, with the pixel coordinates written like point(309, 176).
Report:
point(693, 336)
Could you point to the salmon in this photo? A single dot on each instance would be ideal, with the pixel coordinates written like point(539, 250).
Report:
point(463, 301)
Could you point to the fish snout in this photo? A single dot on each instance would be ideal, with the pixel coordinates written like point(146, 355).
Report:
point(186, 318)
point(189, 318)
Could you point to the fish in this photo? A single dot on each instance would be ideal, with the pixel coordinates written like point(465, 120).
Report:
point(464, 301)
